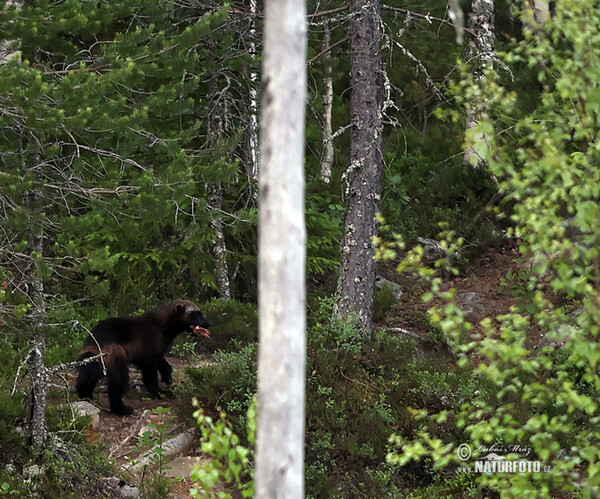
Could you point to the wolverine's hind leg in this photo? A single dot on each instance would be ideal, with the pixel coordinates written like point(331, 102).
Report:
point(117, 367)
point(88, 376)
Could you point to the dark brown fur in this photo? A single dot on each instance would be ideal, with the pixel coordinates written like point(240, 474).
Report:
point(143, 341)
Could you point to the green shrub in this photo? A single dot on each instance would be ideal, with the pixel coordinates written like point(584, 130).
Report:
point(545, 399)
point(357, 394)
point(233, 324)
point(227, 385)
point(230, 463)
point(384, 300)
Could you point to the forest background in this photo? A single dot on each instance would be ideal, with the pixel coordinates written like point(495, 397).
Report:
point(128, 164)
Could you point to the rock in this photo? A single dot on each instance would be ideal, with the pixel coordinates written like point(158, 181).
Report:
point(470, 302)
point(558, 338)
point(433, 251)
point(122, 489)
point(182, 466)
point(84, 408)
point(382, 282)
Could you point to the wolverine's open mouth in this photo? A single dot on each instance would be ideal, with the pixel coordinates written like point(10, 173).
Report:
point(200, 331)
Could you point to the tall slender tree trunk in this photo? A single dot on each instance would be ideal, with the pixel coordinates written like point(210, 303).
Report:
point(356, 284)
point(535, 13)
point(281, 255)
point(327, 156)
point(36, 362)
point(480, 55)
point(215, 190)
point(36, 355)
point(219, 249)
point(250, 149)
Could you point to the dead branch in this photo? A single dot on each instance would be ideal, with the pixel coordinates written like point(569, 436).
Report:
point(406, 332)
point(426, 17)
point(136, 428)
point(171, 447)
point(327, 50)
point(77, 363)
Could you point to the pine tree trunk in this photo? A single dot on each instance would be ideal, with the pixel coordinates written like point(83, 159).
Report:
point(480, 54)
point(282, 253)
point(356, 284)
point(36, 363)
point(38, 375)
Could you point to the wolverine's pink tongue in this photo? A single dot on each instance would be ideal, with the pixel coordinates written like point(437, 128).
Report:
point(200, 331)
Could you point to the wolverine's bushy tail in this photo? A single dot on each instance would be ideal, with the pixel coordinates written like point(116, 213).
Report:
point(89, 374)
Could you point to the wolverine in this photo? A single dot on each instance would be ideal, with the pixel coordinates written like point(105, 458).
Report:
point(142, 341)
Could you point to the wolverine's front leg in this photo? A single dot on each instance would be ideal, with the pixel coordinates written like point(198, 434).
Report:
point(165, 370)
point(150, 379)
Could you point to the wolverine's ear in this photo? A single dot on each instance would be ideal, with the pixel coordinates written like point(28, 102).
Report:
point(180, 308)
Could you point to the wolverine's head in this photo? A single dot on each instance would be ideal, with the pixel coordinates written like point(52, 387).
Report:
point(191, 318)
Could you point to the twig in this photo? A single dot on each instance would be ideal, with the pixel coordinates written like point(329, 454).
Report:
point(77, 363)
point(138, 424)
point(17, 380)
point(355, 381)
point(99, 349)
point(332, 46)
point(327, 12)
point(427, 17)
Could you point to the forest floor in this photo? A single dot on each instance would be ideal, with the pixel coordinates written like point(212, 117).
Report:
point(479, 292)
point(120, 435)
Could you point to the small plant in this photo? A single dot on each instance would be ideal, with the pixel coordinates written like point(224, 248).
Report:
point(154, 439)
point(341, 330)
point(384, 300)
point(230, 465)
point(185, 349)
point(517, 285)
point(6, 490)
point(229, 383)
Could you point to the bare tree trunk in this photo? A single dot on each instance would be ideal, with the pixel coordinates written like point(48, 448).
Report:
point(282, 252)
point(215, 201)
point(480, 54)
point(356, 284)
point(458, 19)
point(7, 50)
point(535, 13)
point(38, 374)
point(251, 147)
point(36, 355)
point(327, 158)
point(215, 191)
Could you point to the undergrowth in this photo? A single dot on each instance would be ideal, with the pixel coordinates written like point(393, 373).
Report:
point(358, 394)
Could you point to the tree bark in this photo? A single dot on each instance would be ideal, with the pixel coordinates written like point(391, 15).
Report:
point(219, 249)
point(535, 14)
point(250, 149)
point(36, 355)
point(327, 158)
point(282, 251)
point(355, 290)
point(480, 54)
point(7, 49)
point(215, 190)
point(38, 374)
